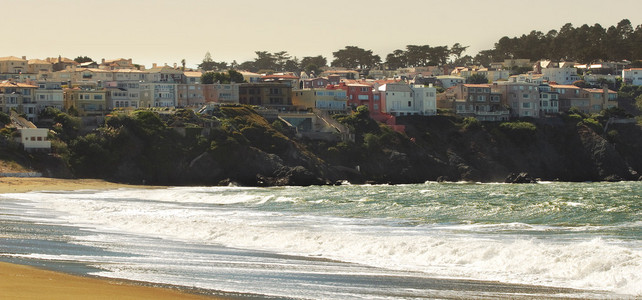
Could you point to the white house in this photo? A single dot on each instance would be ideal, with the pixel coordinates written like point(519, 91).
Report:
point(632, 76)
point(560, 75)
point(401, 99)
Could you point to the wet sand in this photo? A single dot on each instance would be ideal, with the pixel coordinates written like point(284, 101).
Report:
point(28, 184)
point(25, 282)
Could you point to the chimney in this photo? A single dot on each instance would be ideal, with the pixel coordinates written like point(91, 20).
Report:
point(103, 61)
point(154, 65)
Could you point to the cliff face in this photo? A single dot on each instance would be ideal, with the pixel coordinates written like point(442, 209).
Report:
point(243, 148)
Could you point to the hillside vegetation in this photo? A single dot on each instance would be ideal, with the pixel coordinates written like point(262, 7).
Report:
point(234, 144)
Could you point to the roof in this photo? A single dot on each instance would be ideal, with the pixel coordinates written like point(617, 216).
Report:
point(192, 74)
point(392, 87)
point(11, 58)
point(38, 61)
point(563, 86)
point(477, 85)
point(7, 84)
point(279, 77)
point(599, 91)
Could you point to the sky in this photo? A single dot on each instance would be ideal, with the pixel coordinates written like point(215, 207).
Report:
point(165, 32)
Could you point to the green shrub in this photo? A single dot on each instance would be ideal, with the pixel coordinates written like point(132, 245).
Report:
point(471, 123)
point(593, 124)
point(520, 132)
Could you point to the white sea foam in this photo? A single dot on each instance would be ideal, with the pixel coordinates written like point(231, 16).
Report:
point(445, 251)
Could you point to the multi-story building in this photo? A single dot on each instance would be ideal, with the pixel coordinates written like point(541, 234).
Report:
point(569, 96)
point(273, 95)
point(158, 94)
point(13, 65)
point(448, 81)
point(39, 66)
point(566, 75)
point(20, 97)
point(49, 94)
point(548, 100)
point(400, 99)
point(225, 93)
point(522, 97)
point(322, 98)
point(632, 76)
point(599, 99)
point(479, 101)
point(88, 102)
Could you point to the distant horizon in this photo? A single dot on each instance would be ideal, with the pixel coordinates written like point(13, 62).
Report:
point(165, 32)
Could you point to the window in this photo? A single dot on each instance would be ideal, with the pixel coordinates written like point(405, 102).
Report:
point(363, 97)
point(481, 98)
point(364, 89)
point(525, 96)
point(545, 96)
point(526, 105)
point(409, 103)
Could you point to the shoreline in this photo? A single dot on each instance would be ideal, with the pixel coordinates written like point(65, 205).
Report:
point(30, 184)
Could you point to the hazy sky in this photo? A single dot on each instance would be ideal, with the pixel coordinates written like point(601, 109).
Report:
point(164, 31)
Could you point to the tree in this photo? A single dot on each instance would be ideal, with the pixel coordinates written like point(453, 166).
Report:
point(4, 118)
point(457, 49)
point(209, 64)
point(235, 76)
point(82, 59)
point(396, 60)
point(183, 64)
point(318, 61)
point(477, 79)
point(353, 57)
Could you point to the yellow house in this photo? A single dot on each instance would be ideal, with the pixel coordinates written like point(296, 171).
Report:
point(86, 102)
point(320, 98)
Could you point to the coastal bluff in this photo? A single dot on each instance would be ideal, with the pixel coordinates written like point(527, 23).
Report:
point(238, 146)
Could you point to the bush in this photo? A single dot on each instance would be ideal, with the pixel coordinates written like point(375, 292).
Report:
point(471, 123)
point(593, 124)
point(520, 132)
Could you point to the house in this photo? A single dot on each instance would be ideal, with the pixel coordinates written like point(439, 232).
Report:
point(13, 65)
point(117, 64)
point(289, 80)
point(158, 94)
point(548, 100)
point(250, 77)
point(48, 94)
point(569, 96)
point(39, 66)
point(566, 75)
point(522, 97)
point(192, 77)
point(509, 64)
point(19, 97)
point(322, 98)
point(599, 99)
point(29, 136)
point(163, 74)
point(343, 74)
point(88, 102)
point(314, 83)
point(447, 81)
point(632, 76)
point(480, 102)
point(400, 99)
point(267, 94)
point(224, 93)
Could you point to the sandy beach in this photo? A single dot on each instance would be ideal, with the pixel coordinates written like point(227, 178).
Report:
point(25, 282)
point(28, 184)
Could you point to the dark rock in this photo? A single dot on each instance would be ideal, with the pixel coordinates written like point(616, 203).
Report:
point(520, 178)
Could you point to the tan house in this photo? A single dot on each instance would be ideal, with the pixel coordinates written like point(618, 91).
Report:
point(117, 64)
point(39, 66)
point(480, 101)
point(18, 96)
point(600, 99)
point(569, 96)
point(13, 65)
point(522, 97)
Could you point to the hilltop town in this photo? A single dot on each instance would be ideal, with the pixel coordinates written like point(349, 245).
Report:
point(426, 113)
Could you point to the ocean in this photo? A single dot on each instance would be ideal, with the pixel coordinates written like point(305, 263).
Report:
point(432, 240)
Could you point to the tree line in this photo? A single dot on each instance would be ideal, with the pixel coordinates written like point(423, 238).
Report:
point(583, 44)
